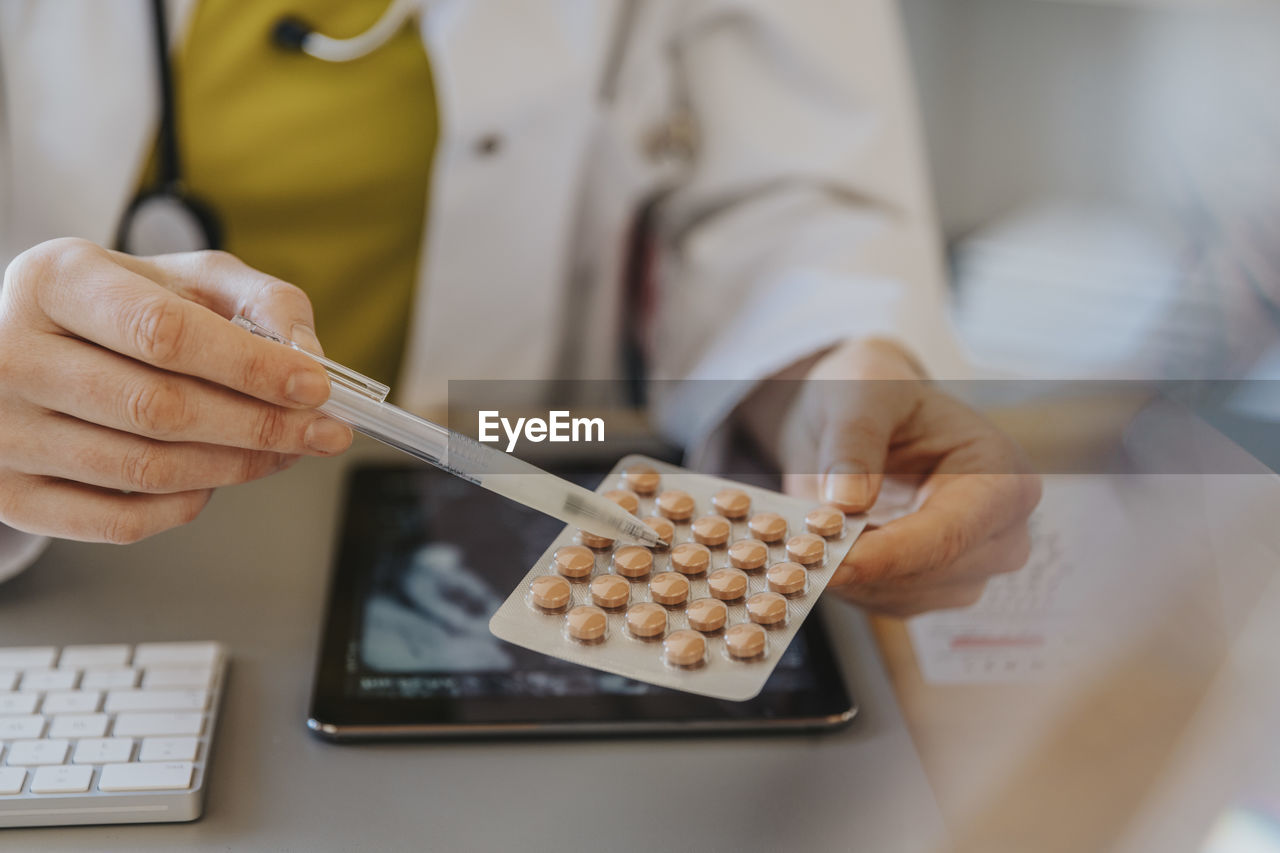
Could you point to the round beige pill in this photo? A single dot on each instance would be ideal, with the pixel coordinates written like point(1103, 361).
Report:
point(707, 614)
point(690, 558)
point(749, 554)
point(549, 592)
point(825, 520)
point(685, 648)
point(805, 548)
point(585, 622)
point(767, 526)
point(732, 503)
point(633, 561)
point(727, 584)
point(646, 620)
point(767, 608)
point(591, 540)
point(610, 591)
point(711, 530)
point(786, 578)
point(642, 479)
point(574, 561)
point(675, 504)
point(623, 498)
point(669, 588)
point(745, 641)
point(665, 529)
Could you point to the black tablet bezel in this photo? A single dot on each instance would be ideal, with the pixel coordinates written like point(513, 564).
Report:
point(336, 715)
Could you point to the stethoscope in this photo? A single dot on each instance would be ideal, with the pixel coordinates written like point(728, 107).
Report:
point(166, 216)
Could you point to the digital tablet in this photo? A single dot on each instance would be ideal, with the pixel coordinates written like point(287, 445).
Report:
point(423, 562)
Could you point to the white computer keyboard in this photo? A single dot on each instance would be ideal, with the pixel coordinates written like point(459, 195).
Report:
point(106, 734)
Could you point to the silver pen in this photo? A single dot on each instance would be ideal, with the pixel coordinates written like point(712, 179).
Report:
point(360, 403)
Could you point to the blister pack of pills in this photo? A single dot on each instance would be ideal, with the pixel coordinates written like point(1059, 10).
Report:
point(710, 613)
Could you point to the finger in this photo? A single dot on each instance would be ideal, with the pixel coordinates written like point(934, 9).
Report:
point(962, 511)
point(69, 449)
point(50, 507)
point(102, 387)
point(123, 311)
point(855, 442)
point(1007, 552)
point(902, 604)
point(228, 286)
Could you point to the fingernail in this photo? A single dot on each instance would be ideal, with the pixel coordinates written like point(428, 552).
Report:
point(848, 486)
point(305, 337)
point(307, 387)
point(327, 436)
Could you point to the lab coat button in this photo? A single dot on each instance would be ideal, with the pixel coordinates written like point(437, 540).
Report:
point(488, 145)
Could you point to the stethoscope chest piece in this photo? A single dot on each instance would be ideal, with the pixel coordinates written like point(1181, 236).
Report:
point(165, 220)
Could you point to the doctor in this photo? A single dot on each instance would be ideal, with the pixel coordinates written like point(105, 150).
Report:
point(477, 189)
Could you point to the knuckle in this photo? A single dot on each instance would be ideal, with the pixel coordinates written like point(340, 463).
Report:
point(214, 260)
point(43, 262)
point(953, 541)
point(157, 408)
point(255, 464)
point(254, 366)
point(145, 468)
point(272, 427)
point(157, 325)
point(276, 290)
point(123, 527)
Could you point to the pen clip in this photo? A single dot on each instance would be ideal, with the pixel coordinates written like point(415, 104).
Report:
point(344, 376)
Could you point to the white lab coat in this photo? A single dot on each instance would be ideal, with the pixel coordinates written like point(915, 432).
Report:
point(799, 217)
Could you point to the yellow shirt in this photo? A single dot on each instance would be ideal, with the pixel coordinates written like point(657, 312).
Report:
point(318, 171)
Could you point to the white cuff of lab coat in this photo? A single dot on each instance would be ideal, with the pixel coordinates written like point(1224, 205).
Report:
point(807, 312)
point(18, 550)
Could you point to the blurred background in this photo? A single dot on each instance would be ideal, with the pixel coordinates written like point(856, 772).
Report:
point(1107, 171)
point(1107, 176)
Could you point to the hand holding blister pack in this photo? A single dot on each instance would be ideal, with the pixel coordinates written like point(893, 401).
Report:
point(708, 611)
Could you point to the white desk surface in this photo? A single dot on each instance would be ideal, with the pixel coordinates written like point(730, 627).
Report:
point(251, 572)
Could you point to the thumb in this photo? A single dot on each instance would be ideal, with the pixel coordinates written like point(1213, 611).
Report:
point(854, 444)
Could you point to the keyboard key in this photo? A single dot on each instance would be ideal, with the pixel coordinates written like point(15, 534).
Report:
point(49, 679)
point(27, 658)
point(103, 750)
point(22, 726)
point(38, 752)
point(67, 779)
point(150, 654)
point(12, 779)
point(108, 678)
point(169, 749)
point(81, 657)
point(178, 676)
point(146, 777)
point(78, 725)
point(8, 679)
point(141, 725)
point(18, 703)
point(72, 702)
point(156, 700)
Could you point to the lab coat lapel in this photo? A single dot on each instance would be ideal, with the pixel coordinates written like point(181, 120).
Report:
point(86, 133)
point(515, 84)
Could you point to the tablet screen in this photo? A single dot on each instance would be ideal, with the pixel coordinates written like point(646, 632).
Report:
point(425, 561)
